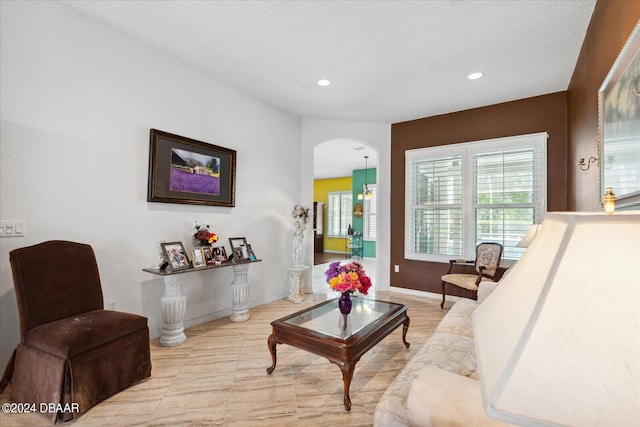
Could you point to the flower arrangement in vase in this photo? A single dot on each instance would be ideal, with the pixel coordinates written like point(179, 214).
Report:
point(347, 279)
point(300, 213)
point(203, 235)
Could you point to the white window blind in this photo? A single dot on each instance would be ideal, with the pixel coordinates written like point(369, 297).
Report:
point(460, 195)
point(369, 217)
point(507, 195)
point(339, 213)
point(435, 203)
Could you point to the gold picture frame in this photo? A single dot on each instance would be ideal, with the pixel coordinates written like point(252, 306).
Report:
point(198, 257)
point(619, 125)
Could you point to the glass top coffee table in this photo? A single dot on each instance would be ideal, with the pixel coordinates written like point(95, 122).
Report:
point(342, 339)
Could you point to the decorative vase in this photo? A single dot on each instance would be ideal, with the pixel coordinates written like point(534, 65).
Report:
point(345, 303)
point(203, 242)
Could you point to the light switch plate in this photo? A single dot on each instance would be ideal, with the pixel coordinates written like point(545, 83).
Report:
point(12, 228)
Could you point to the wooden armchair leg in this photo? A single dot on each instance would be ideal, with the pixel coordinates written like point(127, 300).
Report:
point(442, 303)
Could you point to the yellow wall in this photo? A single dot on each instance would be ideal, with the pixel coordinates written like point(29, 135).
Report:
point(321, 188)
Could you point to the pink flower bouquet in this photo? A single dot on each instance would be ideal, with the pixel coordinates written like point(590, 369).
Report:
point(347, 278)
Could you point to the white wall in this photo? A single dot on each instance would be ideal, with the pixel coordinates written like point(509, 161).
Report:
point(375, 135)
point(77, 102)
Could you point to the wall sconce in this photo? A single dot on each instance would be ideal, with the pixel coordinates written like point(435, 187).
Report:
point(609, 201)
point(584, 165)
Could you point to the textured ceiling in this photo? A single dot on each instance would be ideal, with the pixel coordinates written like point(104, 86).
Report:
point(388, 61)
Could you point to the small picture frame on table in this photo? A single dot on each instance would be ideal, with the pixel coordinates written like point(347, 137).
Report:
point(198, 257)
point(239, 249)
point(207, 252)
point(252, 256)
point(176, 255)
point(219, 254)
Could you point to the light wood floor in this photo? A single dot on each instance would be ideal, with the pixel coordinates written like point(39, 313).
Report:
point(218, 377)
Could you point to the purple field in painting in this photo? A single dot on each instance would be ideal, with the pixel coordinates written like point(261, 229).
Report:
point(181, 180)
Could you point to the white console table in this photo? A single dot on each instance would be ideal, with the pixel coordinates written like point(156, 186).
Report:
point(174, 301)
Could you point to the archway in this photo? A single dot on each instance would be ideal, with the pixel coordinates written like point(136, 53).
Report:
point(340, 176)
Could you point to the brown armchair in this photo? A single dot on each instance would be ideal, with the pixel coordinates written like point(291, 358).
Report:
point(486, 264)
point(72, 353)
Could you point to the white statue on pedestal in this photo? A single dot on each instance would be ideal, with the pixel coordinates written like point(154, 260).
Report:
point(300, 215)
point(298, 230)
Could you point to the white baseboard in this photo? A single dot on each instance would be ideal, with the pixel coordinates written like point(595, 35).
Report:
point(190, 323)
point(196, 321)
point(425, 294)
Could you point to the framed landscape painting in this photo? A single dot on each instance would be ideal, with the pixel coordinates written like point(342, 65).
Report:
point(184, 170)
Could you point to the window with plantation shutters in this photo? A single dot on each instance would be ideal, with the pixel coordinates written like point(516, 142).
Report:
point(461, 195)
point(338, 213)
point(369, 217)
point(434, 202)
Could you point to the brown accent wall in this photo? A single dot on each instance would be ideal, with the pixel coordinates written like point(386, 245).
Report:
point(545, 113)
point(611, 25)
point(570, 118)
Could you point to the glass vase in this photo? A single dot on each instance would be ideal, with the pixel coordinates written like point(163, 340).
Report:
point(345, 303)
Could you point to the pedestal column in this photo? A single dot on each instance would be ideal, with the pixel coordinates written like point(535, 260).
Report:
point(174, 305)
point(296, 277)
point(240, 293)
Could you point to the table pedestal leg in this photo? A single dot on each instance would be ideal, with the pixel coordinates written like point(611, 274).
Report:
point(272, 349)
point(405, 328)
point(240, 293)
point(174, 305)
point(347, 375)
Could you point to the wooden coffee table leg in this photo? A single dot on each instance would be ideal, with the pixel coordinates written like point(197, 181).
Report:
point(405, 328)
point(272, 349)
point(347, 369)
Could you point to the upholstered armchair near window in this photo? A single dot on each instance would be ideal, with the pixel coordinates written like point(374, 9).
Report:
point(486, 264)
point(72, 353)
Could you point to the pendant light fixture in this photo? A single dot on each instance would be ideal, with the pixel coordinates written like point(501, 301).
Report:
point(365, 193)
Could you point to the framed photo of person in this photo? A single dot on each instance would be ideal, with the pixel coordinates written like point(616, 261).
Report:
point(207, 252)
point(198, 257)
point(252, 256)
point(239, 249)
point(219, 253)
point(176, 255)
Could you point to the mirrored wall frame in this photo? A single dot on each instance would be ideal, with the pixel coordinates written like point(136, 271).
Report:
point(619, 125)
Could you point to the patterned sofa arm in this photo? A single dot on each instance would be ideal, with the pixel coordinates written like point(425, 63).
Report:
point(442, 398)
point(485, 288)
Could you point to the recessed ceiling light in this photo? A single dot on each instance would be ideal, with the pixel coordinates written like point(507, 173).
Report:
point(474, 76)
point(323, 82)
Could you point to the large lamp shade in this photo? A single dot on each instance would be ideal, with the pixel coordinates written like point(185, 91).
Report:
point(528, 238)
point(558, 341)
